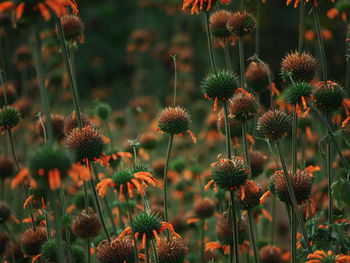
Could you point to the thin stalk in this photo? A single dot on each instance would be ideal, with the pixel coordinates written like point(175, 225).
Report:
point(257, 30)
point(292, 197)
point(315, 12)
point(66, 232)
point(109, 131)
point(155, 253)
point(245, 146)
point(58, 226)
point(202, 255)
point(2, 189)
point(210, 43)
point(273, 225)
point(42, 126)
point(293, 226)
point(329, 176)
point(88, 254)
point(86, 200)
point(97, 202)
point(253, 236)
point(227, 131)
point(301, 26)
point(175, 79)
point(347, 57)
point(132, 226)
point(241, 61)
point(165, 179)
point(35, 44)
point(294, 169)
point(227, 56)
point(2, 82)
point(233, 213)
point(147, 252)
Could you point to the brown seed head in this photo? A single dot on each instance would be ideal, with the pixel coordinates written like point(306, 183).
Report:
point(218, 21)
point(270, 254)
point(73, 27)
point(224, 230)
point(235, 126)
point(4, 240)
point(253, 193)
point(274, 124)
point(14, 253)
point(120, 250)
point(256, 76)
point(257, 162)
point(7, 167)
point(204, 208)
point(302, 67)
point(241, 23)
point(172, 251)
point(244, 106)
point(71, 122)
point(86, 226)
point(57, 121)
point(174, 120)
point(32, 240)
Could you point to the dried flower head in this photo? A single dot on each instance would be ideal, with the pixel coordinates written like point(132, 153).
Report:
point(4, 241)
point(296, 92)
point(228, 174)
point(328, 96)
point(270, 254)
point(32, 240)
point(257, 162)
point(172, 251)
point(224, 230)
point(5, 212)
point(13, 253)
point(85, 144)
point(57, 121)
point(274, 124)
point(252, 195)
point(241, 23)
point(218, 21)
point(204, 208)
point(71, 122)
point(49, 251)
point(7, 167)
point(120, 250)
point(244, 106)
point(301, 67)
point(86, 226)
point(73, 28)
point(9, 118)
point(256, 76)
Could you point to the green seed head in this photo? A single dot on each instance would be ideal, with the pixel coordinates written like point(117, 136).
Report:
point(122, 177)
point(145, 223)
point(103, 110)
point(9, 118)
point(274, 124)
point(328, 96)
point(296, 91)
point(49, 251)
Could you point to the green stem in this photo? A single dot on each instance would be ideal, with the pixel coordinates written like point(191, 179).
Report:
point(257, 30)
point(245, 146)
point(58, 226)
point(175, 80)
point(165, 179)
point(202, 255)
point(293, 236)
point(147, 252)
point(273, 225)
point(35, 44)
point(109, 131)
point(233, 213)
point(347, 56)
point(315, 12)
point(253, 236)
point(293, 198)
point(97, 202)
point(132, 226)
point(2, 82)
point(329, 176)
point(241, 61)
point(227, 56)
point(301, 26)
point(88, 251)
point(210, 43)
point(227, 130)
point(294, 169)
point(155, 253)
point(86, 199)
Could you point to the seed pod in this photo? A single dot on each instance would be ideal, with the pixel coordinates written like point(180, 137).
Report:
point(256, 77)
point(71, 122)
point(172, 251)
point(204, 208)
point(57, 121)
point(302, 67)
point(174, 120)
point(241, 23)
point(32, 240)
point(274, 125)
point(328, 96)
point(120, 250)
point(270, 254)
point(49, 251)
point(9, 118)
point(296, 91)
point(244, 106)
point(103, 110)
point(86, 226)
point(257, 163)
point(252, 195)
point(218, 21)
point(145, 223)
point(73, 27)
point(224, 230)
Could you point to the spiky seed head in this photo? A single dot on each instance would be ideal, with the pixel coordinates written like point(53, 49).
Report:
point(301, 182)
point(243, 106)
point(86, 226)
point(73, 27)
point(220, 85)
point(257, 162)
point(120, 250)
point(253, 193)
point(49, 251)
point(5, 212)
point(174, 120)
point(78, 254)
point(296, 90)
point(204, 208)
point(79, 200)
point(57, 121)
point(229, 174)
point(218, 21)
point(48, 158)
point(85, 144)
point(256, 76)
point(32, 240)
point(148, 141)
point(274, 124)
point(302, 67)
point(172, 251)
point(9, 118)
point(103, 110)
point(122, 177)
point(270, 254)
point(241, 23)
point(328, 96)
point(224, 230)
point(235, 126)
point(66, 220)
point(145, 223)
point(13, 253)
point(7, 167)
point(71, 122)
point(4, 241)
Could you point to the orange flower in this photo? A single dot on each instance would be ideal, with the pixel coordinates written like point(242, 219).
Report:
point(200, 4)
point(296, 3)
point(23, 175)
point(79, 172)
point(320, 256)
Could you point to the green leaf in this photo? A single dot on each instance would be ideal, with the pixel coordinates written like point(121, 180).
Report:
point(345, 192)
point(322, 143)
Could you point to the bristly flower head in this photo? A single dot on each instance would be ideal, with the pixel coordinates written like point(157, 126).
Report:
point(241, 23)
point(218, 21)
point(228, 174)
point(49, 251)
point(219, 87)
point(172, 251)
point(32, 240)
point(103, 110)
point(204, 208)
point(120, 250)
point(73, 28)
point(300, 67)
point(256, 76)
point(244, 106)
point(275, 124)
point(71, 122)
point(297, 92)
point(252, 195)
point(9, 118)
point(175, 120)
point(148, 226)
point(328, 96)
point(125, 181)
point(86, 226)
point(320, 256)
point(201, 4)
point(57, 121)
point(270, 254)
point(86, 144)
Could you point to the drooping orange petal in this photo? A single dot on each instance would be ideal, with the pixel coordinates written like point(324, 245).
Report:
point(345, 122)
point(35, 258)
point(130, 192)
point(29, 199)
point(126, 231)
point(7, 5)
point(20, 10)
point(156, 236)
point(170, 228)
point(121, 195)
point(54, 179)
point(19, 177)
point(192, 220)
point(216, 104)
point(242, 192)
point(144, 240)
point(45, 12)
point(206, 187)
point(264, 196)
point(194, 139)
point(266, 214)
point(138, 187)
point(102, 186)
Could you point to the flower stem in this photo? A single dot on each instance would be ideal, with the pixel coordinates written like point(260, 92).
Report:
point(245, 146)
point(165, 179)
point(88, 251)
point(273, 225)
point(132, 226)
point(293, 225)
point(315, 12)
point(294, 169)
point(293, 198)
point(147, 252)
point(241, 61)
point(109, 131)
point(235, 256)
point(329, 176)
point(257, 30)
point(301, 26)
point(253, 236)
point(227, 56)
point(58, 226)
point(347, 57)
point(93, 188)
point(210, 43)
point(202, 256)
point(175, 79)
point(227, 131)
